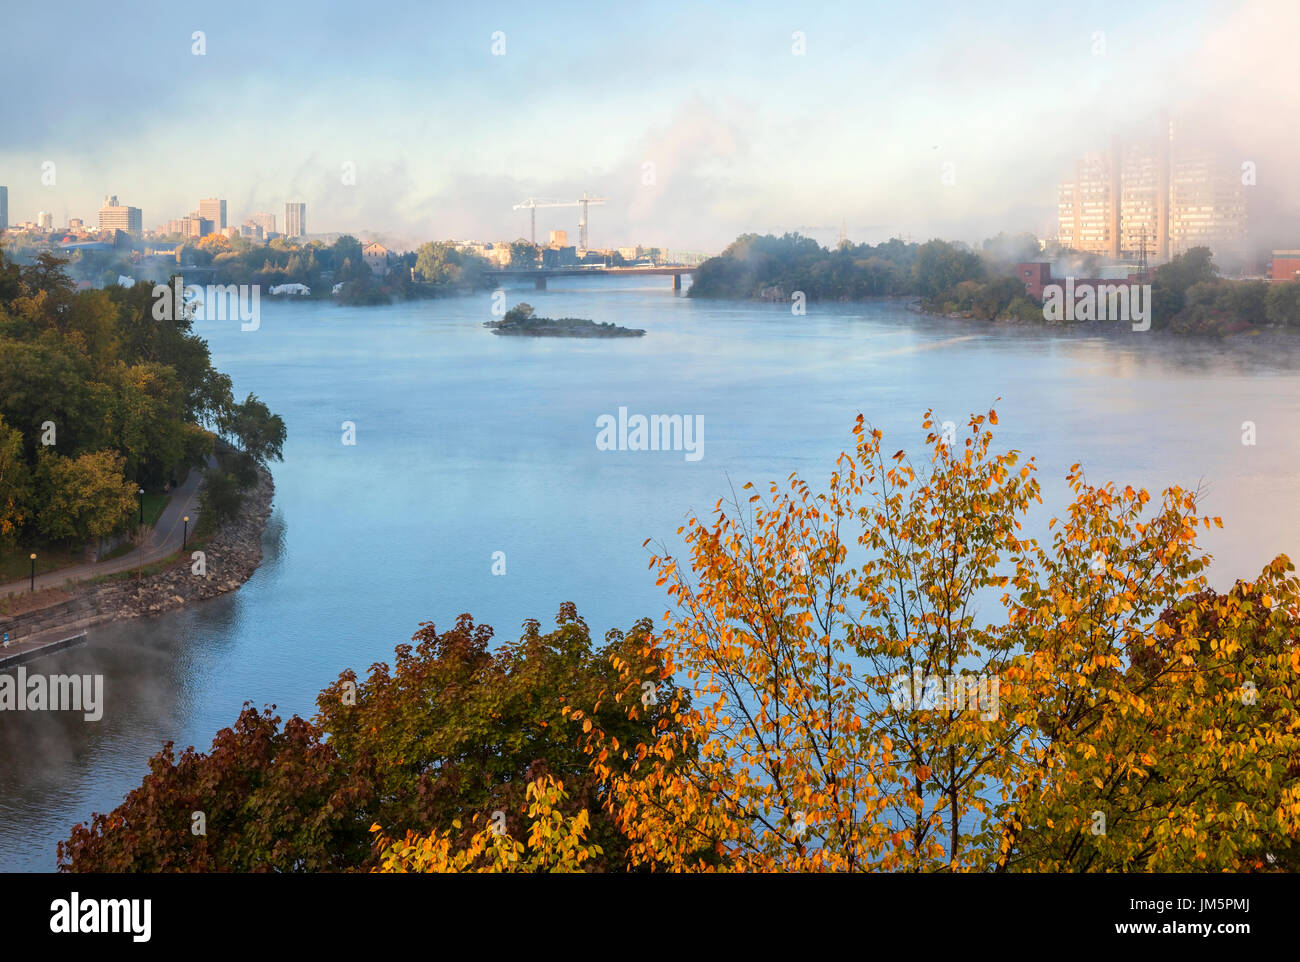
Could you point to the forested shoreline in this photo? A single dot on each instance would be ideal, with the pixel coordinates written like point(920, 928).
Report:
point(1188, 295)
point(99, 398)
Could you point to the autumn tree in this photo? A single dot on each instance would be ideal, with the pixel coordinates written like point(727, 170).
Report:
point(264, 798)
point(15, 483)
point(453, 734)
point(83, 497)
point(554, 842)
point(890, 675)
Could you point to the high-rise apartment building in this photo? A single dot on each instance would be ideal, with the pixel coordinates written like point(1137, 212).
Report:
point(45, 220)
point(1159, 195)
point(4, 207)
point(214, 209)
point(115, 216)
point(1207, 204)
point(1088, 205)
point(295, 220)
point(1144, 200)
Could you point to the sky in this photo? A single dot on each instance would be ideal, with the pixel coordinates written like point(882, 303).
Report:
point(696, 121)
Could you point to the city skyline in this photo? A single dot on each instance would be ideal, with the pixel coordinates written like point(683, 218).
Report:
point(960, 133)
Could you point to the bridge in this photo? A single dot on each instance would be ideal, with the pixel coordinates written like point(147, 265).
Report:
point(539, 275)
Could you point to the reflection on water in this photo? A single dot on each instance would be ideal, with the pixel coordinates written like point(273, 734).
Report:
point(469, 444)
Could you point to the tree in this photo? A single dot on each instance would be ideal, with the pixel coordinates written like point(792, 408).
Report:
point(523, 254)
point(257, 432)
point(940, 266)
point(214, 244)
point(520, 313)
point(84, 497)
point(556, 843)
point(270, 800)
point(440, 743)
point(853, 716)
point(1282, 304)
point(1170, 282)
point(440, 263)
point(15, 484)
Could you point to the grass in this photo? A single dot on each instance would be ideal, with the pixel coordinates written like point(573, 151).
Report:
point(16, 564)
point(125, 548)
point(153, 507)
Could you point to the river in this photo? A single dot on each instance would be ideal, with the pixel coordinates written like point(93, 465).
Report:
point(469, 444)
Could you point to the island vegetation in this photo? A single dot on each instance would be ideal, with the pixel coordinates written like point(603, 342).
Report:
point(520, 321)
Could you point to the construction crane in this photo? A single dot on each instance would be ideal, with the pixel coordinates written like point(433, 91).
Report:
point(532, 203)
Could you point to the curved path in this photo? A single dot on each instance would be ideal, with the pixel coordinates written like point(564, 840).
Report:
point(164, 539)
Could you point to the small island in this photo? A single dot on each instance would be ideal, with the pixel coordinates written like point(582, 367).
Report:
point(521, 322)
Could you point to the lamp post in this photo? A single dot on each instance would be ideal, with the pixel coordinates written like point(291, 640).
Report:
point(185, 533)
point(33, 572)
point(141, 493)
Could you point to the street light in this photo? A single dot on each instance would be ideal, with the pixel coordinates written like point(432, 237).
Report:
point(141, 493)
point(33, 572)
point(185, 535)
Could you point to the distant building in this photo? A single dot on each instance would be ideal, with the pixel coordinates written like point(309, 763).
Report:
point(559, 256)
point(263, 220)
point(1164, 194)
point(1286, 266)
point(1037, 277)
point(295, 220)
point(45, 220)
point(115, 216)
point(4, 207)
point(214, 209)
point(76, 223)
point(559, 238)
point(376, 258)
point(1207, 204)
point(195, 226)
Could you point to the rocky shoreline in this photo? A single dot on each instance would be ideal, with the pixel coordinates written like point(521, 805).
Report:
point(230, 556)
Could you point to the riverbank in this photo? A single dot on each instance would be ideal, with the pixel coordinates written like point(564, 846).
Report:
point(1249, 337)
point(229, 558)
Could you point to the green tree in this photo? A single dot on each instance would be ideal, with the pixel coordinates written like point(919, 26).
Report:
point(1170, 282)
point(523, 254)
point(255, 430)
point(1282, 304)
point(941, 265)
point(82, 498)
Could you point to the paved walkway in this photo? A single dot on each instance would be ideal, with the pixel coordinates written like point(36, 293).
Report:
point(164, 539)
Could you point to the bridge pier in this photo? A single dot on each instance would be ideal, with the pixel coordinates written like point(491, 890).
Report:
point(677, 283)
point(540, 283)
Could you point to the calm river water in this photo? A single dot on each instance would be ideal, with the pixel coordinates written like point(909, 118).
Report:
point(469, 444)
